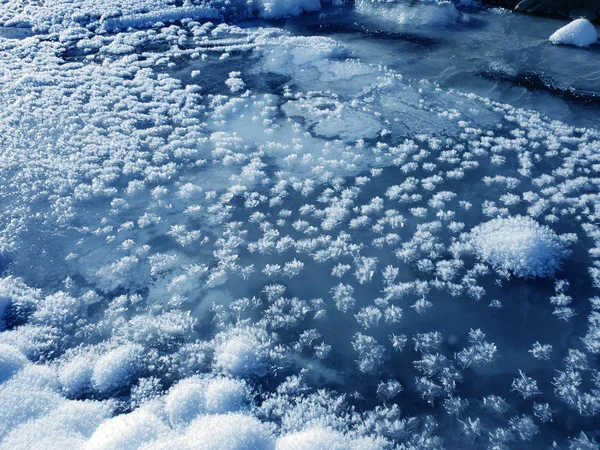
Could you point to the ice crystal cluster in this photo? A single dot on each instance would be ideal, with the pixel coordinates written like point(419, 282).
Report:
point(220, 232)
point(520, 245)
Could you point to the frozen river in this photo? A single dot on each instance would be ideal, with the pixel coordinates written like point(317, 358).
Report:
point(291, 226)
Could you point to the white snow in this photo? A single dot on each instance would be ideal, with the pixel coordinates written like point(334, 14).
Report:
point(219, 432)
point(116, 368)
point(580, 32)
point(324, 439)
point(127, 431)
point(11, 361)
point(519, 244)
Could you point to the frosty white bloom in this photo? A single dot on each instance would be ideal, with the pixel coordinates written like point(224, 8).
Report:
point(388, 390)
point(370, 352)
point(526, 386)
point(340, 269)
point(543, 412)
point(524, 427)
point(292, 268)
point(519, 244)
point(422, 305)
point(368, 316)
point(398, 342)
point(243, 351)
point(342, 296)
point(540, 351)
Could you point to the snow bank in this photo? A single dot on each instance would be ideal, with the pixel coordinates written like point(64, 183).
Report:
point(116, 368)
point(219, 432)
point(519, 244)
point(580, 32)
point(324, 439)
point(68, 426)
point(11, 361)
point(195, 396)
point(127, 431)
point(112, 15)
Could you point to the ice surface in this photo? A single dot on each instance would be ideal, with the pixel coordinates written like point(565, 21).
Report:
point(248, 234)
point(580, 32)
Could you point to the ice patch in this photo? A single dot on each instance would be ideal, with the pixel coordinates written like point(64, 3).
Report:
point(331, 118)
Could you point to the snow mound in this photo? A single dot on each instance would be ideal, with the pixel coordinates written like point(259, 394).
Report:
point(242, 352)
point(11, 361)
point(116, 368)
point(127, 431)
point(520, 245)
point(195, 396)
point(580, 33)
point(220, 432)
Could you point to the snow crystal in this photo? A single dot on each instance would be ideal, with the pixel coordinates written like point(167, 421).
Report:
point(519, 244)
point(580, 32)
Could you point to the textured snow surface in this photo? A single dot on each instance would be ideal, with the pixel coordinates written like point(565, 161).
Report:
point(580, 32)
point(261, 235)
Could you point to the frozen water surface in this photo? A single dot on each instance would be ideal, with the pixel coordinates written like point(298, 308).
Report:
point(292, 225)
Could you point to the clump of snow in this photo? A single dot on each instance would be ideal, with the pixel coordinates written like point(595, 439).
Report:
point(116, 368)
point(519, 244)
point(195, 396)
point(127, 431)
point(580, 32)
point(225, 395)
point(243, 351)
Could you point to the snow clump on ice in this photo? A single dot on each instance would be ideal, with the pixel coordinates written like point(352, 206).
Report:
point(580, 33)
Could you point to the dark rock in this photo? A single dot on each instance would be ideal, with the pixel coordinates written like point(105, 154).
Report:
point(590, 9)
point(528, 5)
point(578, 13)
